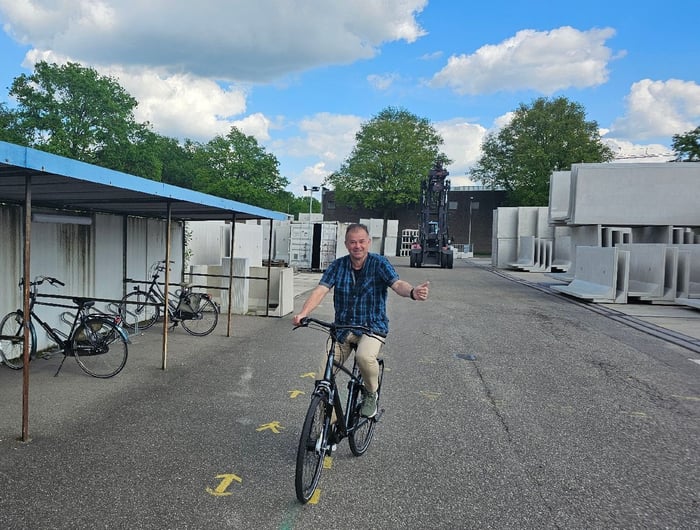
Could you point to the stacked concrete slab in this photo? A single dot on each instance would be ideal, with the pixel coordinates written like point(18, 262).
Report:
point(522, 239)
point(620, 232)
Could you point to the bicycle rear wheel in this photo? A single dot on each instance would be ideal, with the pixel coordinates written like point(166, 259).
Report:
point(100, 347)
point(363, 428)
point(205, 321)
point(12, 348)
point(139, 308)
point(313, 446)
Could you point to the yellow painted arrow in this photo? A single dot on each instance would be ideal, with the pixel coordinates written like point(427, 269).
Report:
point(308, 374)
point(273, 426)
point(226, 480)
point(295, 393)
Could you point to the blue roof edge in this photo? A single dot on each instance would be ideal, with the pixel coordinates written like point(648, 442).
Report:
point(30, 158)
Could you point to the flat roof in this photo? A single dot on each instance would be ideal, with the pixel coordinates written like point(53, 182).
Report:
point(65, 184)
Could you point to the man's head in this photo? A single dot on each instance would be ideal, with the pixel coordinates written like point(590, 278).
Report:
point(357, 241)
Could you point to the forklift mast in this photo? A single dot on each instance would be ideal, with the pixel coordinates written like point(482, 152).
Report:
point(433, 246)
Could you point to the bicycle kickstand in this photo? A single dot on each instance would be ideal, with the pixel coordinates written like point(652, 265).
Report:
point(61, 365)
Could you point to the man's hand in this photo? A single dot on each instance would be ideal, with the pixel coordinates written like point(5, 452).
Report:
point(420, 292)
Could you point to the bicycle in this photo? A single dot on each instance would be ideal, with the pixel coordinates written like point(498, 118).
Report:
point(196, 312)
point(97, 341)
point(319, 435)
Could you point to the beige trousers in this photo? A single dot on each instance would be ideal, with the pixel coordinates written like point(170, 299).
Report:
point(367, 352)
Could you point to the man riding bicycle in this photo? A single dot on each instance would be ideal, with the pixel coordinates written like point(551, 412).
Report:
point(360, 281)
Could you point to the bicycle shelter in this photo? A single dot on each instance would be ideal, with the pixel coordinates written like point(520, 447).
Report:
point(72, 191)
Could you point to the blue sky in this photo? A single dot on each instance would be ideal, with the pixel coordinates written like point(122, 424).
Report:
point(303, 75)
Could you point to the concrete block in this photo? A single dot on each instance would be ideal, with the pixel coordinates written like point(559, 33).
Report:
point(616, 235)
point(652, 234)
point(506, 223)
point(526, 253)
point(544, 229)
point(596, 275)
point(506, 252)
point(559, 192)
point(527, 220)
point(635, 194)
point(647, 270)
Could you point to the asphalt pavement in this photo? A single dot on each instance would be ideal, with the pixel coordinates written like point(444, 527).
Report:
point(506, 406)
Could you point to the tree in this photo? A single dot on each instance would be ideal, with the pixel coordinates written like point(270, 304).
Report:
point(73, 111)
point(236, 167)
point(548, 135)
point(687, 146)
point(8, 126)
point(394, 152)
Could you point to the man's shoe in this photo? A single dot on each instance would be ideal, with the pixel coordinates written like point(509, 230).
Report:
point(369, 405)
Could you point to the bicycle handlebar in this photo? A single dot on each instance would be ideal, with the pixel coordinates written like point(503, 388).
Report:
point(332, 326)
point(41, 279)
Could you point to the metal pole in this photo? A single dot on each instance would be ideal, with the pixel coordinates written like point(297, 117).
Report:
point(166, 293)
point(230, 273)
point(25, 298)
point(470, 223)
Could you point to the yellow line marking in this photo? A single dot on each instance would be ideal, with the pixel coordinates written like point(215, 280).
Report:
point(295, 393)
point(308, 374)
point(430, 395)
point(327, 462)
point(314, 498)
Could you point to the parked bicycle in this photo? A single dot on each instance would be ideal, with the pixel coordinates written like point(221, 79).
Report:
point(97, 341)
point(320, 435)
point(196, 312)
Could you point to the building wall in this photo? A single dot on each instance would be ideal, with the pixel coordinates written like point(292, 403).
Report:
point(483, 202)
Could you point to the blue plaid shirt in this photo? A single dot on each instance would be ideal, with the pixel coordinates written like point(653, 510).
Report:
point(359, 297)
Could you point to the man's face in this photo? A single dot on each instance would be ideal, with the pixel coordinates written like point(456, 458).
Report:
point(357, 242)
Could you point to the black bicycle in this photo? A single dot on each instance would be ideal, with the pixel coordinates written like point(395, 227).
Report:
point(97, 341)
point(319, 435)
point(196, 312)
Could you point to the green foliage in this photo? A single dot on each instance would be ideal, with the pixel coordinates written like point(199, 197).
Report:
point(548, 135)
point(8, 126)
point(393, 152)
point(687, 146)
point(73, 111)
point(235, 166)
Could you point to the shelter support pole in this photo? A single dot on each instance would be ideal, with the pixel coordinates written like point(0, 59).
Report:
point(166, 291)
point(230, 274)
point(269, 265)
point(26, 345)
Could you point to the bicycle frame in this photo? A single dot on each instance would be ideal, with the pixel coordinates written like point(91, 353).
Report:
point(157, 292)
point(329, 385)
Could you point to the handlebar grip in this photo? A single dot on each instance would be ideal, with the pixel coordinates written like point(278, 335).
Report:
point(59, 282)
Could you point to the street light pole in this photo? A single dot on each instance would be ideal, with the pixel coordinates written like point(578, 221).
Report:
point(311, 191)
point(470, 224)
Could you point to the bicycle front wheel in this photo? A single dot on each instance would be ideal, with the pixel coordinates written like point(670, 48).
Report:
point(139, 309)
point(12, 347)
point(313, 446)
point(204, 321)
point(100, 347)
point(363, 428)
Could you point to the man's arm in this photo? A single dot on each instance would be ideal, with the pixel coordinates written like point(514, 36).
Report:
point(315, 298)
point(419, 292)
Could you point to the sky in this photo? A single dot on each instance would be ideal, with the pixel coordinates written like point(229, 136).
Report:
point(302, 76)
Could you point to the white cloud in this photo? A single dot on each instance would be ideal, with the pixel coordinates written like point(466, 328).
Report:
point(330, 137)
point(179, 105)
point(629, 152)
point(382, 82)
point(658, 109)
point(545, 61)
point(234, 41)
point(462, 144)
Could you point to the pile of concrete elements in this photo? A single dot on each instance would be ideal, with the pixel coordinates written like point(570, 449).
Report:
point(614, 232)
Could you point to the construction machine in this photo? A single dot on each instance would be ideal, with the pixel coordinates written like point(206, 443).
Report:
point(433, 246)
